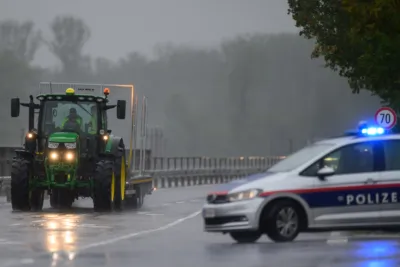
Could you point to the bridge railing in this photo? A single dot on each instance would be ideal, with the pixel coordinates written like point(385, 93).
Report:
point(185, 171)
point(190, 163)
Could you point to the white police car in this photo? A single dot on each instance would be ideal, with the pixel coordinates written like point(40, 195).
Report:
point(343, 183)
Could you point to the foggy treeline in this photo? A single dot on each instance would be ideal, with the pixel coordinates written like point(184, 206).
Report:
point(256, 94)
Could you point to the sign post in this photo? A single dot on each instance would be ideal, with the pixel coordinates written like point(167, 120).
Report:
point(386, 118)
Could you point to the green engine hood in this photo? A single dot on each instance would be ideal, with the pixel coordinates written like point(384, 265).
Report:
point(63, 137)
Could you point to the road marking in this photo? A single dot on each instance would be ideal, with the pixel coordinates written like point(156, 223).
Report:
point(337, 238)
point(180, 202)
point(149, 213)
point(93, 226)
point(18, 262)
point(38, 221)
point(27, 261)
point(141, 233)
point(166, 204)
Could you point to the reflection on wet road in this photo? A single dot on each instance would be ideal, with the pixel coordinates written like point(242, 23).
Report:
point(167, 231)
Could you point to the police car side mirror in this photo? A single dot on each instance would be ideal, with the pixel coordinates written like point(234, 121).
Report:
point(325, 172)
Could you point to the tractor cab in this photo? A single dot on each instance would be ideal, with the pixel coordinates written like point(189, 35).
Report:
point(69, 118)
point(74, 116)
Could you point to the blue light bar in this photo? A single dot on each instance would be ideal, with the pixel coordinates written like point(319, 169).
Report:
point(372, 131)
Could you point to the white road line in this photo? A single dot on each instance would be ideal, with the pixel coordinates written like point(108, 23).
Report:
point(18, 262)
point(180, 202)
point(11, 243)
point(38, 221)
point(166, 204)
point(141, 233)
point(337, 238)
point(93, 226)
point(148, 213)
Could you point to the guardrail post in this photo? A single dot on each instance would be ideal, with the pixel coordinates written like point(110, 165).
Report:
point(8, 194)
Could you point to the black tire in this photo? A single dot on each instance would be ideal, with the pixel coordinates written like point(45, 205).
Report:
point(273, 216)
point(102, 186)
point(61, 198)
point(20, 185)
point(37, 199)
point(246, 236)
point(20, 199)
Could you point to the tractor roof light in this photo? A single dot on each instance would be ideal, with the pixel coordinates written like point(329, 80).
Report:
point(106, 91)
point(70, 91)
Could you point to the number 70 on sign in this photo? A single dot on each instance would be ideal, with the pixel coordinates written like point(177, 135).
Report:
point(386, 117)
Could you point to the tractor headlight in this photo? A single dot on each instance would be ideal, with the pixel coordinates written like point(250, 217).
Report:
point(244, 195)
point(70, 145)
point(54, 156)
point(69, 156)
point(53, 145)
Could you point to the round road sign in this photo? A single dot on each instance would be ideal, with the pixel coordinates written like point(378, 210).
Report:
point(386, 117)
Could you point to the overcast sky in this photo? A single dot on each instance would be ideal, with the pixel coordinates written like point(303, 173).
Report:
point(121, 26)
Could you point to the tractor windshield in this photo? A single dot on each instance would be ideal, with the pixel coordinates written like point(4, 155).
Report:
point(78, 116)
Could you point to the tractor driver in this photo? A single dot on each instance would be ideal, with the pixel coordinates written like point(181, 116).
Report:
point(73, 119)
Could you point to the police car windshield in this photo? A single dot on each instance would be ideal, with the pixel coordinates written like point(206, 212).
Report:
point(299, 158)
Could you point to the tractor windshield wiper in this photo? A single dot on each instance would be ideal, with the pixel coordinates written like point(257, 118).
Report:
point(83, 108)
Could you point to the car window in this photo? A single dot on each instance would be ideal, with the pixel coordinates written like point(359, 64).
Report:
point(392, 155)
point(355, 158)
point(300, 157)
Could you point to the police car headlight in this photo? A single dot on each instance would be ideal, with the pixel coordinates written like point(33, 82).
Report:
point(244, 195)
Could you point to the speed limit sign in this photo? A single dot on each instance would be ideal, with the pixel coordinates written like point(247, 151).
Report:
point(386, 117)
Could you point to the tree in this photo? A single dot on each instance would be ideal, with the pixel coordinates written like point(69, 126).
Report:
point(21, 39)
point(70, 35)
point(358, 38)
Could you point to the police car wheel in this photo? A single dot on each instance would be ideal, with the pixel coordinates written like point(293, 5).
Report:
point(283, 222)
point(245, 236)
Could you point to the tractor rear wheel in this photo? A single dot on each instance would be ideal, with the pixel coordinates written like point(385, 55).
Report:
point(21, 198)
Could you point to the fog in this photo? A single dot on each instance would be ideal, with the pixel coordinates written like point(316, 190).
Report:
point(223, 78)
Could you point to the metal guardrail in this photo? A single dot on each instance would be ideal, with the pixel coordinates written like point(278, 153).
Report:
point(182, 172)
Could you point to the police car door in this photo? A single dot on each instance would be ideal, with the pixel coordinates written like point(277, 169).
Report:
point(344, 198)
point(389, 187)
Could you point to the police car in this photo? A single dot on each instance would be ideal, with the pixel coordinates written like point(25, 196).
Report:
point(343, 183)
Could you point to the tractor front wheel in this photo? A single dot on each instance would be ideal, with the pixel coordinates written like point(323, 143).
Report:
point(21, 198)
point(104, 186)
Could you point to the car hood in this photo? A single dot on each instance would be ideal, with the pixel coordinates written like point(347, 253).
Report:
point(262, 181)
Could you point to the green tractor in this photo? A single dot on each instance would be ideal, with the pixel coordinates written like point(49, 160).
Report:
point(71, 153)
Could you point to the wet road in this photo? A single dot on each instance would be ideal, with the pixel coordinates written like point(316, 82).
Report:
point(167, 231)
